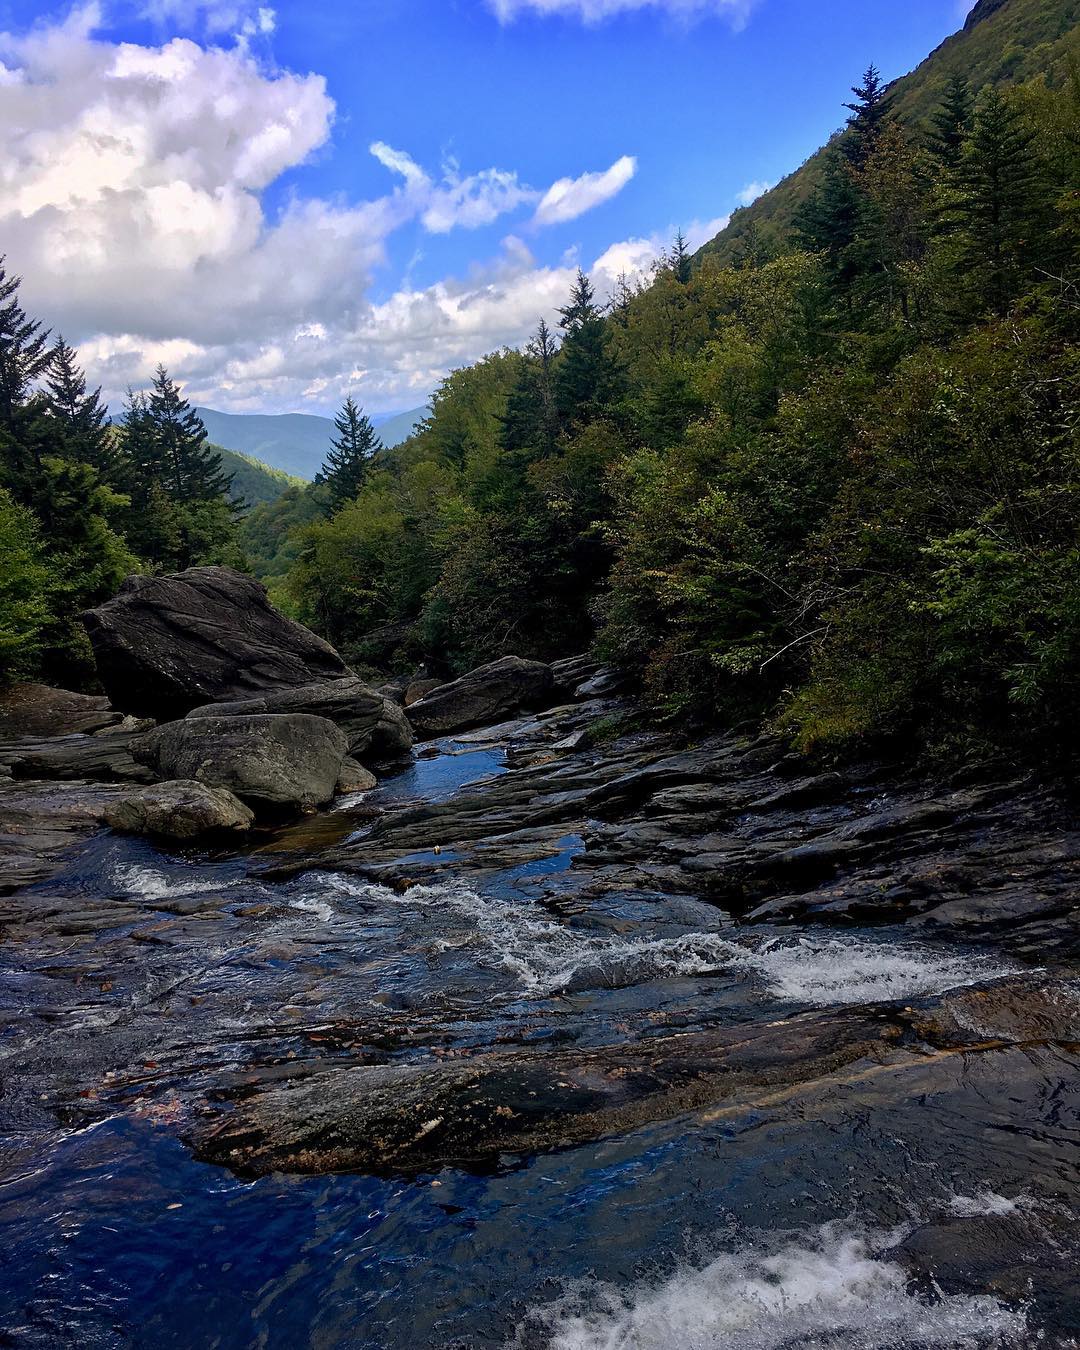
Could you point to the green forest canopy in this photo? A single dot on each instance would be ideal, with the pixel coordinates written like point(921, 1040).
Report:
point(828, 477)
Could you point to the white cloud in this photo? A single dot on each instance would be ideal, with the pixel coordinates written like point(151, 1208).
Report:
point(752, 191)
point(469, 202)
point(572, 197)
point(634, 258)
point(597, 11)
point(131, 202)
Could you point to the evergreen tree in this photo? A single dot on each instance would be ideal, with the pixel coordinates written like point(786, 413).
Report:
point(346, 466)
point(829, 220)
point(997, 202)
point(950, 125)
point(81, 417)
point(24, 354)
point(190, 469)
point(868, 113)
point(679, 259)
point(529, 427)
point(587, 377)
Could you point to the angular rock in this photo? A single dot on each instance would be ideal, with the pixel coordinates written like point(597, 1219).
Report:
point(419, 689)
point(369, 720)
point(182, 809)
point(29, 709)
point(393, 737)
point(289, 760)
point(104, 757)
point(483, 695)
point(354, 777)
point(166, 644)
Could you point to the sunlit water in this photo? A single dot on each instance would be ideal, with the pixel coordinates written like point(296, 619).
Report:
point(768, 1228)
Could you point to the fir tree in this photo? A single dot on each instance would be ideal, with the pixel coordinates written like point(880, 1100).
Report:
point(529, 426)
point(829, 220)
point(950, 125)
point(997, 203)
point(346, 466)
point(679, 259)
point(868, 113)
point(587, 378)
point(24, 354)
point(190, 469)
point(81, 417)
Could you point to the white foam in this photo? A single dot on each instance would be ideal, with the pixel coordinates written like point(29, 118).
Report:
point(549, 958)
point(826, 1290)
point(149, 883)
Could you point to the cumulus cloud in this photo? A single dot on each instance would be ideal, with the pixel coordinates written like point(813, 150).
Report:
point(569, 198)
point(132, 182)
point(634, 258)
point(596, 11)
point(752, 191)
point(469, 202)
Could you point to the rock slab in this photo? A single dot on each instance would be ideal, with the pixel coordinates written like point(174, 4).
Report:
point(375, 726)
point(183, 809)
point(275, 761)
point(484, 695)
point(165, 645)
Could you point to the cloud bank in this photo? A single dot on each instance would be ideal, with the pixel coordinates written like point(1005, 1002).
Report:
point(597, 11)
point(132, 181)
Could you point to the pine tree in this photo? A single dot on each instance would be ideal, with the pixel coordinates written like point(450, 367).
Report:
point(81, 417)
point(529, 427)
point(679, 259)
point(997, 203)
point(829, 220)
point(191, 470)
point(24, 354)
point(867, 115)
point(587, 378)
point(346, 466)
point(950, 125)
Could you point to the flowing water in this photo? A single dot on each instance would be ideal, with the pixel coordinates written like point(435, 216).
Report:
point(827, 1216)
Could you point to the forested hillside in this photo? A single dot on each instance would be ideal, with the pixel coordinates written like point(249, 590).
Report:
point(832, 483)
point(1002, 42)
point(828, 477)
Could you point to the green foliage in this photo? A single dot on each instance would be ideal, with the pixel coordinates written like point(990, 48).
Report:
point(348, 460)
point(83, 504)
point(26, 585)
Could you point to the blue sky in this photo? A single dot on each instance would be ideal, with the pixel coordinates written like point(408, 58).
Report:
point(198, 181)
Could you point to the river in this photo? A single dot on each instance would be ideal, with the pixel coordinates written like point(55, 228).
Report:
point(923, 1200)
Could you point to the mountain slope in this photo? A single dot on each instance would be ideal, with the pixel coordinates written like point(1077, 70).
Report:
point(293, 442)
point(1002, 41)
point(254, 483)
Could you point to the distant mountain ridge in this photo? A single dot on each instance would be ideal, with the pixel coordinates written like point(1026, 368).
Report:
point(1002, 41)
point(295, 443)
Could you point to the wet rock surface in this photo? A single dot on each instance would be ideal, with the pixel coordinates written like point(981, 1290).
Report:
point(370, 721)
point(581, 990)
point(166, 644)
point(289, 760)
point(181, 810)
point(482, 696)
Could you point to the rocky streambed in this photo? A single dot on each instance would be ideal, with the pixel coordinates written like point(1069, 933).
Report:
point(556, 1037)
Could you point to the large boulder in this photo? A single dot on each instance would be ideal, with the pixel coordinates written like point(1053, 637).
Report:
point(376, 728)
point(483, 695)
point(183, 810)
point(39, 710)
point(166, 644)
point(276, 761)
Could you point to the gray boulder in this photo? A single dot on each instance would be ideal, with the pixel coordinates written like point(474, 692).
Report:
point(288, 760)
point(353, 777)
point(183, 809)
point(393, 737)
point(482, 696)
point(419, 689)
point(166, 644)
point(375, 727)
